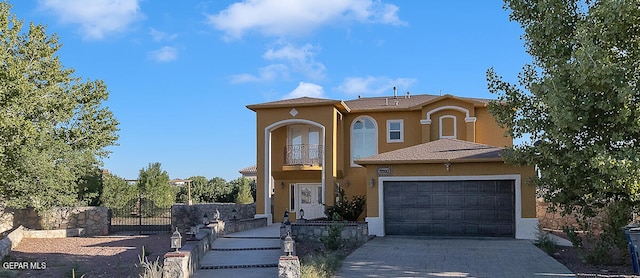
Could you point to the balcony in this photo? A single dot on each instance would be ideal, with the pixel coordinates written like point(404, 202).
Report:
point(303, 157)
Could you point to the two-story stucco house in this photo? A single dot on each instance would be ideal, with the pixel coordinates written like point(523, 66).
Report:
point(428, 165)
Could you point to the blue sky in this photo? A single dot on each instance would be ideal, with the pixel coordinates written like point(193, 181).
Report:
point(180, 73)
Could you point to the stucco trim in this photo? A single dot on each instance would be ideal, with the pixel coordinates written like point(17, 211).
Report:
point(267, 159)
point(457, 108)
point(523, 225)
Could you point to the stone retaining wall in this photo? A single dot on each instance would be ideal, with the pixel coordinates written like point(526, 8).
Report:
point(15, 237)
point(185, 216)
point(314, 231)
point(93, 220)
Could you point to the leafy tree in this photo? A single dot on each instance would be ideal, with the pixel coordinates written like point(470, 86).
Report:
point(201, 191)
point(117, 193)
point(579, 101)
point(224, 192)
point(244, 191)
point(154, 186)
point(90, 187)
point(54, 127)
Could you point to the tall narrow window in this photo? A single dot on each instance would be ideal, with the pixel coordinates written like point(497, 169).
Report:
point(363, 138)
point(395, 131)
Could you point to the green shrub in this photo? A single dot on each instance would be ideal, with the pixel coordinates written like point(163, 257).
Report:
point(320, 266)
point(608, 246)
point(345, 209)
point(544, 241)
point(333, 241)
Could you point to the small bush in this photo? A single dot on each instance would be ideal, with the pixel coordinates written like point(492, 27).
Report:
point(320, 266)
point(333, 241)
point(544, 241)
point(345, 209)
point(607, 247)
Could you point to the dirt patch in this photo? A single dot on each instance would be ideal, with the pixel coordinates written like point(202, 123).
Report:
point(103, 256)
point(569, 257)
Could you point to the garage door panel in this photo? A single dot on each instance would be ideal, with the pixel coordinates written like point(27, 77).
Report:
point(468, 208)
point(455, 215)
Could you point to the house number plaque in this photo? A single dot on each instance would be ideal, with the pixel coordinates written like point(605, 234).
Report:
point(384, 171)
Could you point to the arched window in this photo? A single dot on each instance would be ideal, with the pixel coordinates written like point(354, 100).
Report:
point(364, 141)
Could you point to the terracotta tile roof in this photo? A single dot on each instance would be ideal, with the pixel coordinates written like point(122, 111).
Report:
point(437, 151)
point(249, 170)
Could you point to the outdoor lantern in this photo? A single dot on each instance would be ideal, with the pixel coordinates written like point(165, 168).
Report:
point(216, 215)
point(193, 231)
point(234, 214)
point(288, 245)
point(301, 214)
point(372, 182)
point(205, 220)
point(286, 217)
point(176, 240)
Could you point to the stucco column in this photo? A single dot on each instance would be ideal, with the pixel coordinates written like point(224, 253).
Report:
point(471, 128)
point(426, 130)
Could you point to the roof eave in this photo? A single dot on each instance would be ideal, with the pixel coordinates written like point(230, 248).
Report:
point(431, 161)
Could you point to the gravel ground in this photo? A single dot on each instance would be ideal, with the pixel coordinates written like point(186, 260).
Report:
point(103, 256)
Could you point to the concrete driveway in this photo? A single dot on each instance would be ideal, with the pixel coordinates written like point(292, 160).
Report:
point(394, 256)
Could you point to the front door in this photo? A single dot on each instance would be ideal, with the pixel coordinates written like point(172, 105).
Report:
point(310, 196)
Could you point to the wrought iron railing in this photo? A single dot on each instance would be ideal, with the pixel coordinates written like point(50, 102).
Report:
point(303, 154)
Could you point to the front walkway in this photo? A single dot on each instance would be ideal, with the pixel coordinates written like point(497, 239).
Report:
point(251, 253)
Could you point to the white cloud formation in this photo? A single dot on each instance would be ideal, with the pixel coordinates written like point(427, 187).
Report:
point(305, 89)
point(300, 59)
point(373, 86)
point(288, 59)
point(164, 54)
point(159, 36)
point(268, 73)
point(295, 17)
point(97, 18)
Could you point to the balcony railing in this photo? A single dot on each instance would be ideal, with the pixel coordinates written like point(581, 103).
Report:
point(304, 154)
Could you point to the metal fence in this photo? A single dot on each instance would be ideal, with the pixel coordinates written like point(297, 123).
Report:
point(141, 216)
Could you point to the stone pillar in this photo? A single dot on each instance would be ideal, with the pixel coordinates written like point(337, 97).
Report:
point(288, 267)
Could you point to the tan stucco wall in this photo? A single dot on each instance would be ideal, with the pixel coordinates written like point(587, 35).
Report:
point(456, 169)
point(488, 131)
point(337, 144)
point(326, 116)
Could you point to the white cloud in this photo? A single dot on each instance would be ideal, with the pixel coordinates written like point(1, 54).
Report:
point(305, 89)
point(295, 17)
point(164, 54)
point(97, 18)
point(290, 59)
point(268, 73)
point(159, 36)
point(370, 85)
point(300, 59)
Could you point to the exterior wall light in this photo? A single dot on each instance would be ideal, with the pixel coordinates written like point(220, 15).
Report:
point(288, 245)
point(176, 240)
point(372, 183)
point(234, 214)
point(205, 220)
point(216, 215)
point(301, 214)
point(281, 185)
point(286, 218)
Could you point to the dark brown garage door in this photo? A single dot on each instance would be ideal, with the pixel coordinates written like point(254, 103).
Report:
point(450, 208)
